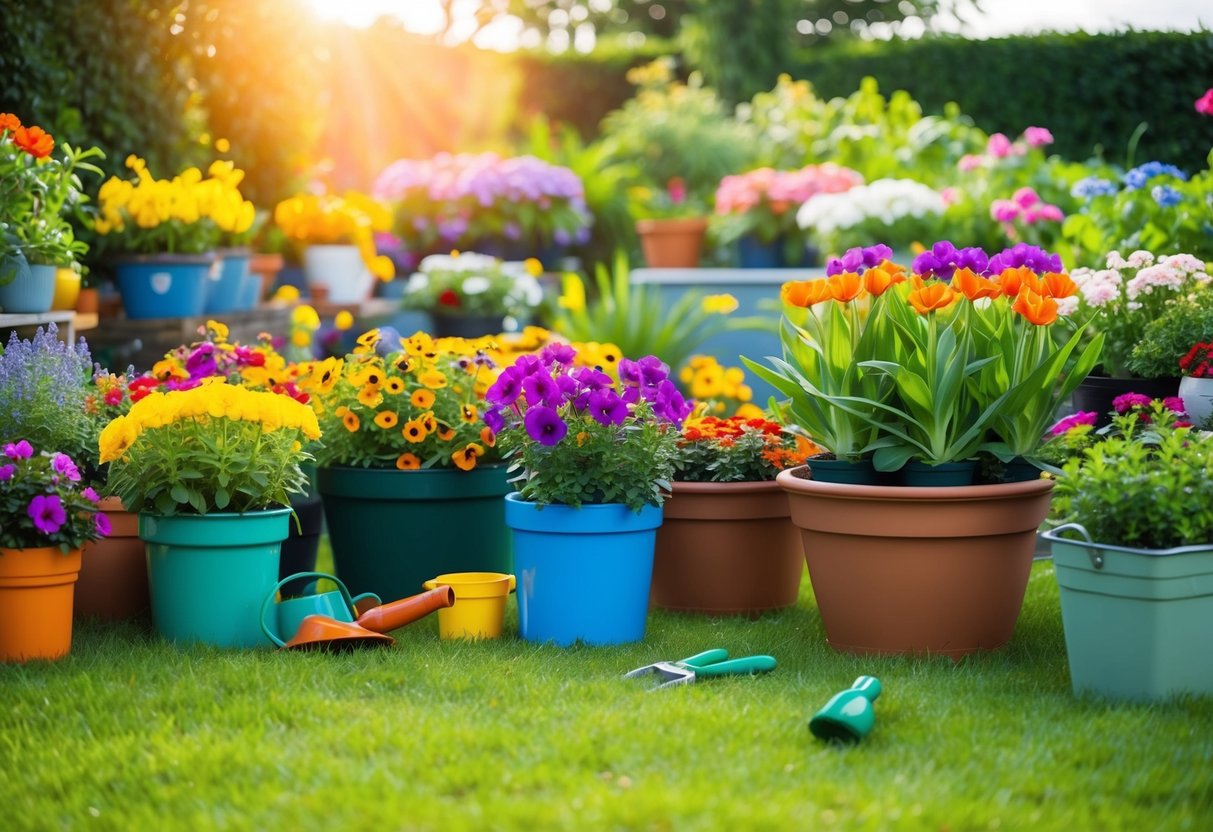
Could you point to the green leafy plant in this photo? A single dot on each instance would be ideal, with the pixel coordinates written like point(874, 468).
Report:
point(43, 503)
point(635, 318)
point(1166, 339)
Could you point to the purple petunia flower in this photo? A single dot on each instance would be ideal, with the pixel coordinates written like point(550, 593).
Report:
point(19, 450)
point(858, 259)
point(47, 513)
point(1128, 401)
point(541, 389)
point(629, 372)
point(62, 464)
point(544, 425)
point(102, 522)
point(1088, 417)
point(201, 362)
point(592, 379)
point(494, 420)
point(652, 370)
point(607, 407)
point(506, 389)
point(90, 495)
point(6, 472)
point(669, 403)
point(557, 354)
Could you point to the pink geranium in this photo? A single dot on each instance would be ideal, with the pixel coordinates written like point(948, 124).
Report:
point(1204, 104)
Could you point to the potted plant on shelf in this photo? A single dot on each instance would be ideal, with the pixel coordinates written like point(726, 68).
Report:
point(337, 233)
point(408, 469)
point(757, 211)
point(1121, 301)
point(671, 224)
point(46, 516)
point(38, 195)
point(1133, 558)
point(927, 369)
point(593, 458)
point(469, 295)
point(727, 545)
point(210, 471)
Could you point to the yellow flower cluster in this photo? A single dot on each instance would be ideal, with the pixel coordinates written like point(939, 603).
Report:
point(213, 400)
point(328, 219)
point(716, 386)
point(187, 198)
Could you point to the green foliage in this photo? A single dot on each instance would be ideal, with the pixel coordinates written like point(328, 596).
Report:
point(741, 46)
point(1182, 324)
point(1148, 488)
point(634, 317)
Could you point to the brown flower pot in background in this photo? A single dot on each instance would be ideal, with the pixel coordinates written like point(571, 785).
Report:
point(672, 244)
point(266, 267)
point(900, 570)
point(113, 571)
point(88, 301)
point(727, 549)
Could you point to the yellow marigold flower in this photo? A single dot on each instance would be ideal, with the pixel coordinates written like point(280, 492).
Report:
point(414, 431)
point(720, 304)
point(418, 344)
point(533, 267)
point(219, 330)
point(305, 316)
point(369, 396)
point(386, 419)
point(286, 294)
point(394, 386)
point(423, 399)
point(344, 320)
point(223, 145)
point(117, 436)
point(167, 368)
point(744, 393)
point(434, 379)
point(750, 411)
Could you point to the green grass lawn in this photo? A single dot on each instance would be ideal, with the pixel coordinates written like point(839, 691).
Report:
point(130, 732)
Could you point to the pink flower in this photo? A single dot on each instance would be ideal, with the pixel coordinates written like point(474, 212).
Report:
point(1089, 417)
point(949, 195)
point(970, 161)
point(1128, 401)
point(19, 450)
point(1004, 210)
point(62, 463)
point(1038, 136)
point(1025, 197)
point(1175, 404)
point(6, 472)
point(1204, 104)
point(47, 513)
point(90, 495)
point(999, 146)
point(1050, 213)
point(102, 523)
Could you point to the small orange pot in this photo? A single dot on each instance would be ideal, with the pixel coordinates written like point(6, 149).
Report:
point(88, 302)
point(36, 589)
point(672, 243)
point(113, 573)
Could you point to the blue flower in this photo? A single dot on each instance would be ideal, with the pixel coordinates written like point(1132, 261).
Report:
point(1140, 175)
point(1093, 186)
point(1166, 196)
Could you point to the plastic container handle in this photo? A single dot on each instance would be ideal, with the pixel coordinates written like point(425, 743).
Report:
point(269, 600)
point(1095, 555)
point(706, 657)
point(749, 664)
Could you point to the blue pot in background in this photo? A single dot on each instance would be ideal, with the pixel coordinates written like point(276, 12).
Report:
point(164, 285)
point(583, 574)
point(227, 286)
point(32, 289)
point(752, 253)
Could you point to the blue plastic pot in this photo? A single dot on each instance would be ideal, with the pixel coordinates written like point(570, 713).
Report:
point(32, 289)
point(226, 287)
point(164, 285)
point(753, 253)
point(209, 574)
point(583, 574)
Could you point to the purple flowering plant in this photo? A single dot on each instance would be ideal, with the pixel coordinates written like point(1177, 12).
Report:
point(43, 501)
point(576, 434)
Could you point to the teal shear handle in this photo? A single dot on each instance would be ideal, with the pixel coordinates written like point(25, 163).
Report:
point(717, 663)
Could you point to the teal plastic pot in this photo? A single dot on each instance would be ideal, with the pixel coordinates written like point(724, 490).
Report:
point(859, 472)
point(583, 573)
point(391, 530)
point(32, 289)
point(164, 285)
point(1137, 621)
point(225, 286)
point(920, 474)
point(209, 573)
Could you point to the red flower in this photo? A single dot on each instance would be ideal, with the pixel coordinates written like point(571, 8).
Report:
point(449, 298)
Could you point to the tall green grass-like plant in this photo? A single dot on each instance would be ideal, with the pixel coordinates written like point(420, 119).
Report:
point(634, 317)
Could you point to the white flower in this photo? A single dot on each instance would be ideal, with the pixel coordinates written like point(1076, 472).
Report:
point(475, 285)
point(416, 282)
point(1067, 306)
point(886, 200)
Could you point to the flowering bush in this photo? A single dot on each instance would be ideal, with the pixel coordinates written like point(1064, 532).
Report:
point(576, 435)
point(900, 211)
point(38, 194)
point(463, 284)
point(935, 366)
point(737, 449)
point(671, 201)
point(1121, 299)
point(215, 447)
point(1023, 214)
point(412, 403)
point(187, 214)
point(1071, 435)
point(327, 219)
point(763, 202)
point(1198, 361)
point(42, 502)
point(1166, 339)
point(465, 200)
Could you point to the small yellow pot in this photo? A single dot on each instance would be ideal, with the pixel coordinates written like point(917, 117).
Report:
point(67, 289)
point(479, 608)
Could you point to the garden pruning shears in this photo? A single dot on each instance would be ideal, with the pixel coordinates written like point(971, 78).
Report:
point(702, 665)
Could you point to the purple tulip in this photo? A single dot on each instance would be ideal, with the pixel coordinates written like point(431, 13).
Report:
point(544, 425)
point(47, 513)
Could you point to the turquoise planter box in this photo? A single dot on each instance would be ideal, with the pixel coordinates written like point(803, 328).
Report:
point(1138, 622)
point(164, 287)
point(32, 289)
point(227, 286)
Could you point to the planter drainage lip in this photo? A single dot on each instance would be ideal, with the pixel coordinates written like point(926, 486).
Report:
point(425, 484)
point(591, 517)
point(790, 481)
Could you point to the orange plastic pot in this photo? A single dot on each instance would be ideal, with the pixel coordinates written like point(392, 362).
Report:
point(36, 593)
point(113, 572)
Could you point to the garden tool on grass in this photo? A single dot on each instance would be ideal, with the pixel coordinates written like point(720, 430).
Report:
point(703, 665)
point(848, 716)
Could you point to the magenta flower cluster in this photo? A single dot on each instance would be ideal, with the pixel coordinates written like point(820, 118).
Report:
point(943, 259)
point(545, 393)
point(40, 504)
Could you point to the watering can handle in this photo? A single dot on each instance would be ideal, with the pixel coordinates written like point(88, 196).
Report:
point(269, 600)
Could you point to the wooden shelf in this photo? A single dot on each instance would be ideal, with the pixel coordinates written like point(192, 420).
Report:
point(68, 322)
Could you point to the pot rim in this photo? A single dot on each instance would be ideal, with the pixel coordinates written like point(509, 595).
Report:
point(745, 486)
point(789, 481)
point(200, 259)
point(659, 225)
point(1052, 536)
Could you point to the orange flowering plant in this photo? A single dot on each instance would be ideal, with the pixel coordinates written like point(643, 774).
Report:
point(958, 357)
point(412, 402)
point(736, 449)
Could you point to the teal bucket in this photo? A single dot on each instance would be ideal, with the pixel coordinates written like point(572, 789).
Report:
point(391, 531)
point(1136, 621)
point(32, 289)
point(209, 574)
point(583, 573)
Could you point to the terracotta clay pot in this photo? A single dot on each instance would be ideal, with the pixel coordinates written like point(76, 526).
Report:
point(727, 549)
point(113, 572)
point(88, 302)
point(672, 243)
point(901, 570)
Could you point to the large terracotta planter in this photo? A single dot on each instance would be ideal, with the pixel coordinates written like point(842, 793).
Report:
point(727, 549)
point(900, 570)
point(36, 603)
point(672, 243)
point(113, 571)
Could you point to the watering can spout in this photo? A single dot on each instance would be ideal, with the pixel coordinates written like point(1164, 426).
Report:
point(388, 617)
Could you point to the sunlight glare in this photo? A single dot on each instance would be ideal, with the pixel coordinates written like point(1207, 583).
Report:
point(422, 16)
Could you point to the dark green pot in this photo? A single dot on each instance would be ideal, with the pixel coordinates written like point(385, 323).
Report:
point(393, 530)
point(919, 474)
point(842, 470)
point(1020, 470)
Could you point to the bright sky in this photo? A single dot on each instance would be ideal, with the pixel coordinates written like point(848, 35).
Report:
point(1001, 17)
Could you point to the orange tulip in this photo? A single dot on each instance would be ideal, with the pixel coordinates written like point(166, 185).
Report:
point(974, 286)
point(34, 140)
point(845, 287)
point(1059, 285)
point(805, 293)
point(932, 296)
point(1036, 308)
point(1013, 281)
point(877, 280)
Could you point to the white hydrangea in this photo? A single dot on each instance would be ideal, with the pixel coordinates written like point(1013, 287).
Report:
point(885, 200)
